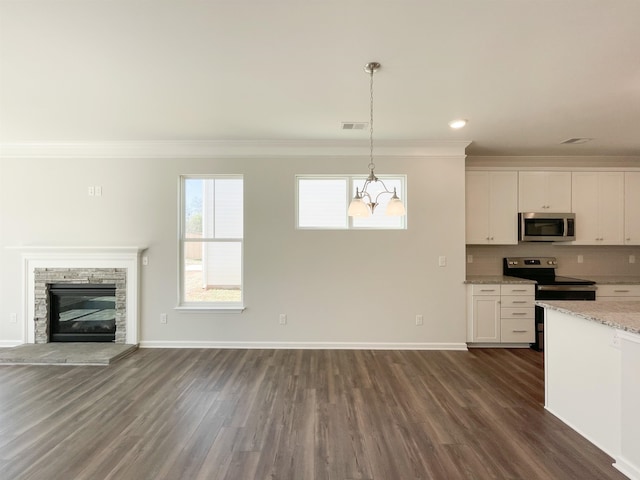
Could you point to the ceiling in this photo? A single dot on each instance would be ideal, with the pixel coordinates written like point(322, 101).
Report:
point(527, 74)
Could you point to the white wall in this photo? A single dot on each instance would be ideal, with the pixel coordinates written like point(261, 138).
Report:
point(362, 287)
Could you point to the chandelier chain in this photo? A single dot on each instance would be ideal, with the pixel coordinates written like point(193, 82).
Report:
point(372, 165)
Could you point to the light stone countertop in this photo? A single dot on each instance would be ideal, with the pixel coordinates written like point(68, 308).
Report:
point(614, 279)
point(499, 279)
point(620, 315)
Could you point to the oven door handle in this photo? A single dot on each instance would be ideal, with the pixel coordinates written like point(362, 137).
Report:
point(567, 288)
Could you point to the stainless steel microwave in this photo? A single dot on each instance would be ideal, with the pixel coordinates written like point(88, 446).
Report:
point(546, 227)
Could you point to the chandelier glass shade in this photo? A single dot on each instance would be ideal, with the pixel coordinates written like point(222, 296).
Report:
point(367, 199)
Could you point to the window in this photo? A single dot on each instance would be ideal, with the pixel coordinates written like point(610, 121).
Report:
point(211, 232)
point(323, 200)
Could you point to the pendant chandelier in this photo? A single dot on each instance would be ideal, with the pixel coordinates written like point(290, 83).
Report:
point(363, 203)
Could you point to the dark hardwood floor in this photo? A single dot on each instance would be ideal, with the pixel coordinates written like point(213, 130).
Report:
point(290, 414)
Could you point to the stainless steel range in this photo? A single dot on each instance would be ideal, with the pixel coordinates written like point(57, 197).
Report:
point(549, 286)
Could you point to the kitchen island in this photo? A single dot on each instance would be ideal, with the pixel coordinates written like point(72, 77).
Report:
point(592, 374)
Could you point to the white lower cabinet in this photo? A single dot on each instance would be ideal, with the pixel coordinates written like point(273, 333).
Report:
point(500, 313)
point(618, 293)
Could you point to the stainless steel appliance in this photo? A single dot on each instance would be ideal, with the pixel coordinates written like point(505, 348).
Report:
point(546, 227)
point(549, 286)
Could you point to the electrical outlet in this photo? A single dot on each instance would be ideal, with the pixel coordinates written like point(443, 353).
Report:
point(145, 260)
point(163, 318)
point(419, 320)
point(13, 318)
point(98, 190)
point(283, 319)
point(91, 191)
point(469, 258)
point(580, 259)
point(442, 261)
point(632, 259)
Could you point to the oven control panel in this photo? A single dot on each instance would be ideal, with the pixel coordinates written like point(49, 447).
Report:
point(531, 262)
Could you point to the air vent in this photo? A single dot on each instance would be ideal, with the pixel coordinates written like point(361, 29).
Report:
point(354, 125)
point(576, 141)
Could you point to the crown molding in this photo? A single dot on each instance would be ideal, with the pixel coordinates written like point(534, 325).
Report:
point(238, 148)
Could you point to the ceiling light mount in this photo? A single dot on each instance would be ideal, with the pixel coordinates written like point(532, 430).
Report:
point(358, 207)
point(372, 67)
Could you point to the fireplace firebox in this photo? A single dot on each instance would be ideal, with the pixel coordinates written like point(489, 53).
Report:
point(82, 312)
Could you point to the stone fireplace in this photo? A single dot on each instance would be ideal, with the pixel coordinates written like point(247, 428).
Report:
point(47, 266)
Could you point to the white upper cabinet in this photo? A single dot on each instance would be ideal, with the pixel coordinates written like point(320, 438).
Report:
point(491, 207)
point(544, 192)
point(632, 208)
point(598, 202)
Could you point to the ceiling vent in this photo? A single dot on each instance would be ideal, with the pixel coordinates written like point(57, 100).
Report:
point(354, 125)
point(576, 141)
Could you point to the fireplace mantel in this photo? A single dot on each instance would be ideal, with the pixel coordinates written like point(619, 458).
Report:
point(81, 257)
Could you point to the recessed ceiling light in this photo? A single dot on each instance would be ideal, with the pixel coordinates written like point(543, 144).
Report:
point(456, 124)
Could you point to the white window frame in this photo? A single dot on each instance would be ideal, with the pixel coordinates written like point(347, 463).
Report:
point(350, 192)
point(230, 307)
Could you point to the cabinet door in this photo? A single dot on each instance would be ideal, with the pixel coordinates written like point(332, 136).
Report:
point(531, 191)
point(486, 318)
point(584, 199)
point(611, 207)
point(477, 207)
point(544, 192)
point(503, 208)
point(598, 202)
point(632, 208)
point(558, 192)
point(491, 207)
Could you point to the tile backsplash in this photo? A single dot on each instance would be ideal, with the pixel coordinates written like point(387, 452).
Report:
point(596, 260)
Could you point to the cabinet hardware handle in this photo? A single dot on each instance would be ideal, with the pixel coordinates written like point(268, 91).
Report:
point(487, 289)
point(519, 301)
point(621, 291)
point(518, 290)
point(519, 313)
point(519, 331)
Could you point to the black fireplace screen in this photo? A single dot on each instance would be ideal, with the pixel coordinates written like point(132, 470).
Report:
point(82, 313)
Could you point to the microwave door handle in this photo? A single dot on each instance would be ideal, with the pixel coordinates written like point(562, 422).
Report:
point(566, 227)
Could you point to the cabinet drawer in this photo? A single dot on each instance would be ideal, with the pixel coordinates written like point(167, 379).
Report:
point(517, 289)
point(485, 289)
point(517, 301)
point(617, 291)
point(517, 330)
point(517, 313)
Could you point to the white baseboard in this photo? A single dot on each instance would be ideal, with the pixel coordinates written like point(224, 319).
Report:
point(499, 345)
point(10, 343)
point(306, 345)
point(630, 470)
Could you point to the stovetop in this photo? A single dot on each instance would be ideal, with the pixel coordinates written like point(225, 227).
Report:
point(555, 280)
